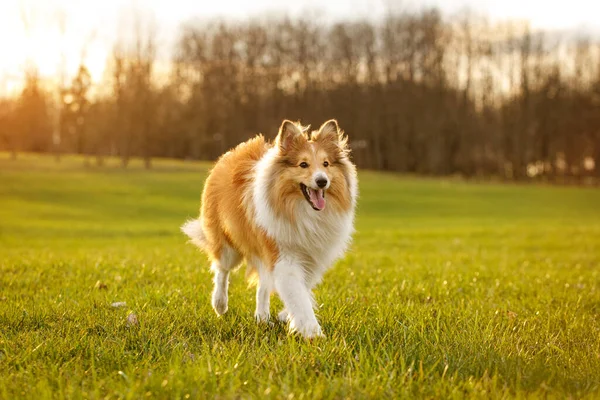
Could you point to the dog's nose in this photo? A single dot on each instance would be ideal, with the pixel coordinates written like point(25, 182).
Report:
point(321, 182)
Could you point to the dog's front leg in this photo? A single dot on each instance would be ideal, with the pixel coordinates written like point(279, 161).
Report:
point(290, 284)
point(263, 291)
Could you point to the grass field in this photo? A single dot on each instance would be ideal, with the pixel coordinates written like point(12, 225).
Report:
point(451, 289)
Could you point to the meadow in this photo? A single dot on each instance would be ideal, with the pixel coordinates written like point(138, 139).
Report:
point(451, 289)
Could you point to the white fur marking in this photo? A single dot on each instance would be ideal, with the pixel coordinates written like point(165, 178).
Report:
point(193, 229)
point(219, 294)
point(263, 292)
point(229, 260)
point(290, 284)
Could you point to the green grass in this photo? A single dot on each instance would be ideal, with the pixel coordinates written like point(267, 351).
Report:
point(451, 289)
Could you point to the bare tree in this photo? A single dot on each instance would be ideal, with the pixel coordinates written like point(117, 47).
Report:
point(418, 93)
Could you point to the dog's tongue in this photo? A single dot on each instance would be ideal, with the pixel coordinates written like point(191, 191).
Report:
point(317, 198)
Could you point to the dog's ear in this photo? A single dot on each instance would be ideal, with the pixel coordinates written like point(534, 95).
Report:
point(330, 131)
point(289, 132)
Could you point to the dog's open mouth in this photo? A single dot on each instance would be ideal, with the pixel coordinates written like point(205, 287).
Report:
point(316, 198)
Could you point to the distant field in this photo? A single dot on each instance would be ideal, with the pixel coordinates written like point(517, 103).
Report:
point(451, 289)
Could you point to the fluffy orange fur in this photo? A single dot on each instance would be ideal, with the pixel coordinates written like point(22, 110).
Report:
point(227, 195)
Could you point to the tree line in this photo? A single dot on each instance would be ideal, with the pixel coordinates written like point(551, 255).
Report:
point(416, 93)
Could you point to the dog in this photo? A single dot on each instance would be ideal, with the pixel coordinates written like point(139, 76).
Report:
point(287, 208)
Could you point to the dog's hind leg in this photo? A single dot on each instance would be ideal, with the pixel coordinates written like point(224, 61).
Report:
point(229, 258)
point(283, 316)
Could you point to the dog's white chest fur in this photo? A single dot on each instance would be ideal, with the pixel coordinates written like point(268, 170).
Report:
point(315, 239)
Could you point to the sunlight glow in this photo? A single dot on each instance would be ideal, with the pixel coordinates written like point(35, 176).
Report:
point(90, 28)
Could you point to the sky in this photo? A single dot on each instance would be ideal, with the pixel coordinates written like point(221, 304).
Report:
point(94, 25)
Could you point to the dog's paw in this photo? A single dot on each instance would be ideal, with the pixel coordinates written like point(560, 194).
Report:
point(310, 330)
point(262, 317)
point(283, 316)
point(219, 303)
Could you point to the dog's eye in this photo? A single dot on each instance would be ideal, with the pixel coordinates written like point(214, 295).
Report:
point(326, 164)
point(303, 165)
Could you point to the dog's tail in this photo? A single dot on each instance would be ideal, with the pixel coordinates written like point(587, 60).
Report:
point(193, 229)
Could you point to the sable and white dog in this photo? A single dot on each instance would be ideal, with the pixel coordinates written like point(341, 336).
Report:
point(286, 208)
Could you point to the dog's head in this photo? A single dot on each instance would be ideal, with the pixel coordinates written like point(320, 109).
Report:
point(314, 168)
